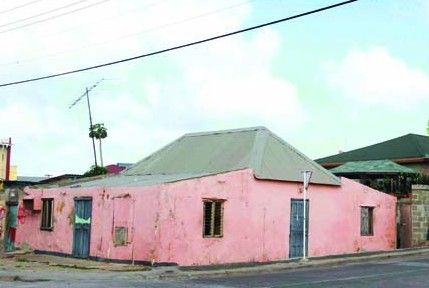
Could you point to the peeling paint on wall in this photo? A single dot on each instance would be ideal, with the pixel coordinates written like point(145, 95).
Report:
point(60, 206)
point(164, 222)
point(70, 217)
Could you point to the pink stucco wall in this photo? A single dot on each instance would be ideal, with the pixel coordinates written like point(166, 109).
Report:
point(165, 221)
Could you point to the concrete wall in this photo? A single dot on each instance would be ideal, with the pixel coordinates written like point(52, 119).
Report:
point(165, 221)
point(420, 215)
point(109, 207)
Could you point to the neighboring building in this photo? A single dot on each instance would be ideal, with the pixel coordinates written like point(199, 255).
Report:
point(60, 179)
point(410, 150)
point(413, 218)
point(383, 175)
point(117, 168)
point(386, 166)
point(7, 171)
point(208, 198)
point(7, 199)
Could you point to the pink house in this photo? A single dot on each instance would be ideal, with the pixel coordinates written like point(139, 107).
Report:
point(210, 198)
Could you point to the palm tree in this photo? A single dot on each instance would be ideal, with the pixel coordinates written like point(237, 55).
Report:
point(99, 132)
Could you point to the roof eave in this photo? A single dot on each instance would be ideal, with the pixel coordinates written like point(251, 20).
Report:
point(398, 161)
point(333, 183)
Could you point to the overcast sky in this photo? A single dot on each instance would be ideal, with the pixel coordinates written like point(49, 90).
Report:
point(338, 80)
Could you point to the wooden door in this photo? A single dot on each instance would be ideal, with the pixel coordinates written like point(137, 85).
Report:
point(82, 227)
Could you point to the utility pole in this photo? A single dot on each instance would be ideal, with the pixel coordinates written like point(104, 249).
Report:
point(9, 151)
point(90, 125)
point(86, 94)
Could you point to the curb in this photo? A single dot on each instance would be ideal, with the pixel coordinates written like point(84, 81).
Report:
point(326, 261)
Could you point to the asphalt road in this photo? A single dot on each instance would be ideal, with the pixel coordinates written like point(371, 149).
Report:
point(405, 272)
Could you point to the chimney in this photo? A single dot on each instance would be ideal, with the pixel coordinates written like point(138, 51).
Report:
point(8, 151)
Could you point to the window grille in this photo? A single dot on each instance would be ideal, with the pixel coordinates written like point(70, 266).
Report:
point(213, 218)
point(47, 214)
point(366, 221)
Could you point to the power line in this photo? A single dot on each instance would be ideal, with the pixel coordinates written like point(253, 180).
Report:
point(54, 16)
point(20, 6)
point(183, 45)
point(75, 27)
point(43, 13)
point(156, 28)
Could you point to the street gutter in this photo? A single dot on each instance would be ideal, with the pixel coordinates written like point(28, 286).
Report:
point(278, 266)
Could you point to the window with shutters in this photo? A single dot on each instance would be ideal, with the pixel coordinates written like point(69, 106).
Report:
point(213, 218)
point(366, 221)
point(47, 214)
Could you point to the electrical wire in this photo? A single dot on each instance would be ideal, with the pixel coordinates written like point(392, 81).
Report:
point(183, 45)
point(54, 16)
point(43, 13)
point(75, 27)
point(156, 28)
point(20, 6)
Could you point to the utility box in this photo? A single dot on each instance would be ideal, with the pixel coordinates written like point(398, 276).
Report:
point(12, 196)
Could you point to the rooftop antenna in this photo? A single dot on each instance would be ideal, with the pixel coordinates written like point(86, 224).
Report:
point(87, 90)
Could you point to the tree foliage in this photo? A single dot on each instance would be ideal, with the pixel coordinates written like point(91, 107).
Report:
point(95, 170)
point(98, 131)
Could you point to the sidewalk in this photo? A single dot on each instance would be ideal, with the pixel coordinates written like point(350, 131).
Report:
point(31, 261)
point(253, 268)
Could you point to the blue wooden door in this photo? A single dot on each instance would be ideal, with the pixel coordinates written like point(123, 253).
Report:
point(82, 227)
point(297, 228)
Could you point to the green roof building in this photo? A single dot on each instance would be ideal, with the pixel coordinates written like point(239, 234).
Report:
point(410, 150)
point(371, 167)
point(383, 175)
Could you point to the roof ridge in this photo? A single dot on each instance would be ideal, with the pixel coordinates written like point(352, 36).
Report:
point(415, 134)
point(214, 132)
point(307, 159)
point(258, 149)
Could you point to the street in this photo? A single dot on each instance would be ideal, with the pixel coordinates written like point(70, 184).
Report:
point(399, 272)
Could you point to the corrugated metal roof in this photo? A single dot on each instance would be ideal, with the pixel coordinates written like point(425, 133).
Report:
point(33, 179)
point(374, 166)
point(407, 146)
point(200, 154)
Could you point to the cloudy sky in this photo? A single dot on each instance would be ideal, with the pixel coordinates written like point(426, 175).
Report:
point(338, 80)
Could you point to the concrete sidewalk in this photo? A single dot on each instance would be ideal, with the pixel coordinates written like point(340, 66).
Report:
point(254, 268)
point(31, 261)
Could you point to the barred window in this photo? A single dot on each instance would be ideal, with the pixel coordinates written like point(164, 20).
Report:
point(366, 221)
point(213, 218)
point(47, 214)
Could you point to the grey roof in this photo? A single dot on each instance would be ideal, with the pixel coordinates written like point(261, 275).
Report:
point(33, 179)
point(125, 165)
point(200, 154)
